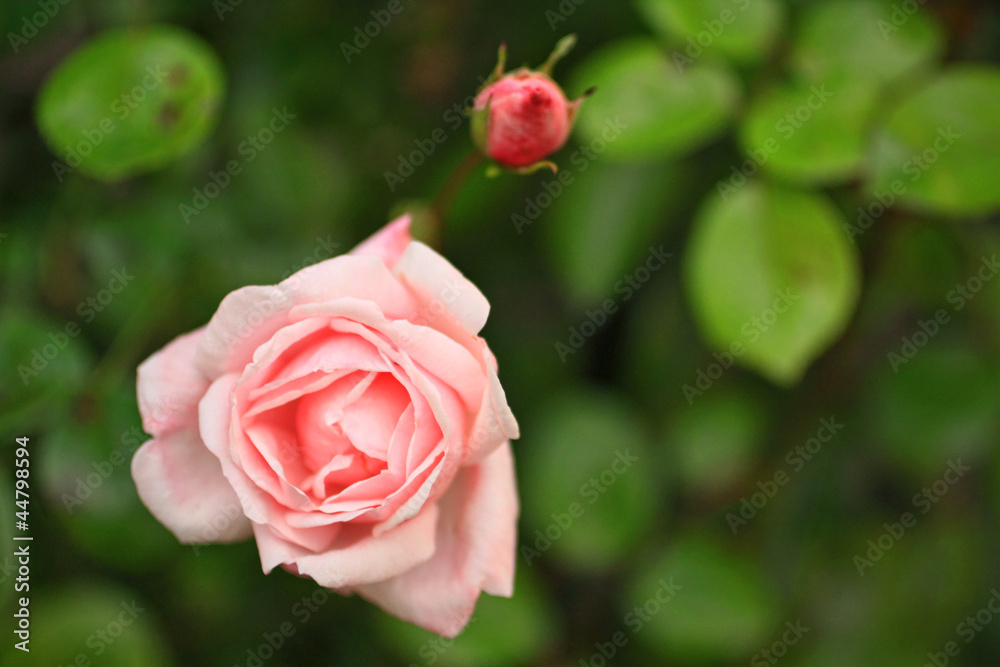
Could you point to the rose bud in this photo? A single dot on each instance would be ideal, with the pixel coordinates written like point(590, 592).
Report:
point(520, 118)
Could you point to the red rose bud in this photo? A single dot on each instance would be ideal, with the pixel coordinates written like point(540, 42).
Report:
point(521, 117)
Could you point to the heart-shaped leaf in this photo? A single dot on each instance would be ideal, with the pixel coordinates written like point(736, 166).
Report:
point(647, 106)
point(938, 150)
point(130, 101)
point(772, 277)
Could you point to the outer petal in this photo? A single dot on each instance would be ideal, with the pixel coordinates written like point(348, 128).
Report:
point(389, 242)
point(243, 321)
point(181, 483)
point(476, 550)
point(355, 557)
point(495, 423)
point(447, 297)
point(169, 386)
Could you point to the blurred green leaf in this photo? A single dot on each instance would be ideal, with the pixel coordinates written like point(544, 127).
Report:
point(305, 170)
point(655, 108)
point(602, 226)
point(810, 133)
point(743, 30)
point(724, 610)
point(921, 264)
point(874, 40)
point(879, 653)
point(716, 439)
point(130, 101)
point(108, 626)
point(587, 456)
point(939, 404)
point(85, 472)
point(771, 271)
point(937, 151)
point(655, 329)
point(42, 361)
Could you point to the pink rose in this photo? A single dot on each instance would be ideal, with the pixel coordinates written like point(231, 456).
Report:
point(521, 117)
point(352, 420)
point(529, 118)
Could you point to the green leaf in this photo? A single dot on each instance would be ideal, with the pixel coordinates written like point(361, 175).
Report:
point(130, 101)
point(42, 359)
point(85, 474)
point(743, 30)
point(938, 405)
point(89, 621)
point(771, 272)
point(723, 610)
point(653, 107)
point(717, 438)
point(938, 149)
point(810, 133)
point(587, 456)
point(602, 225)
point(871, 40)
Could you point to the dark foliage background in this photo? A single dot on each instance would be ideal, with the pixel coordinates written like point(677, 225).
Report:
point(892, 334)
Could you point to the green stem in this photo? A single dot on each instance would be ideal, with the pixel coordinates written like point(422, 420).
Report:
point(441, 205)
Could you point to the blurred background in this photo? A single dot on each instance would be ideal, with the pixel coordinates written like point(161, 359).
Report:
point(751, 334)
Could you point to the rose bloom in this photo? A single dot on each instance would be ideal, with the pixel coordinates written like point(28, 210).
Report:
point(351, 419)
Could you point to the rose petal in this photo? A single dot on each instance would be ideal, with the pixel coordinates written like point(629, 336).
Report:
point(169, 386)
point(443, 357)
point(218, 432)
point(370, 421)
point(476, 550)
point(444, 471)
point(445, 295)
point(181, 483)
point(355, 557)
point(250, 316)
point(495, 423)
point(389, 242)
